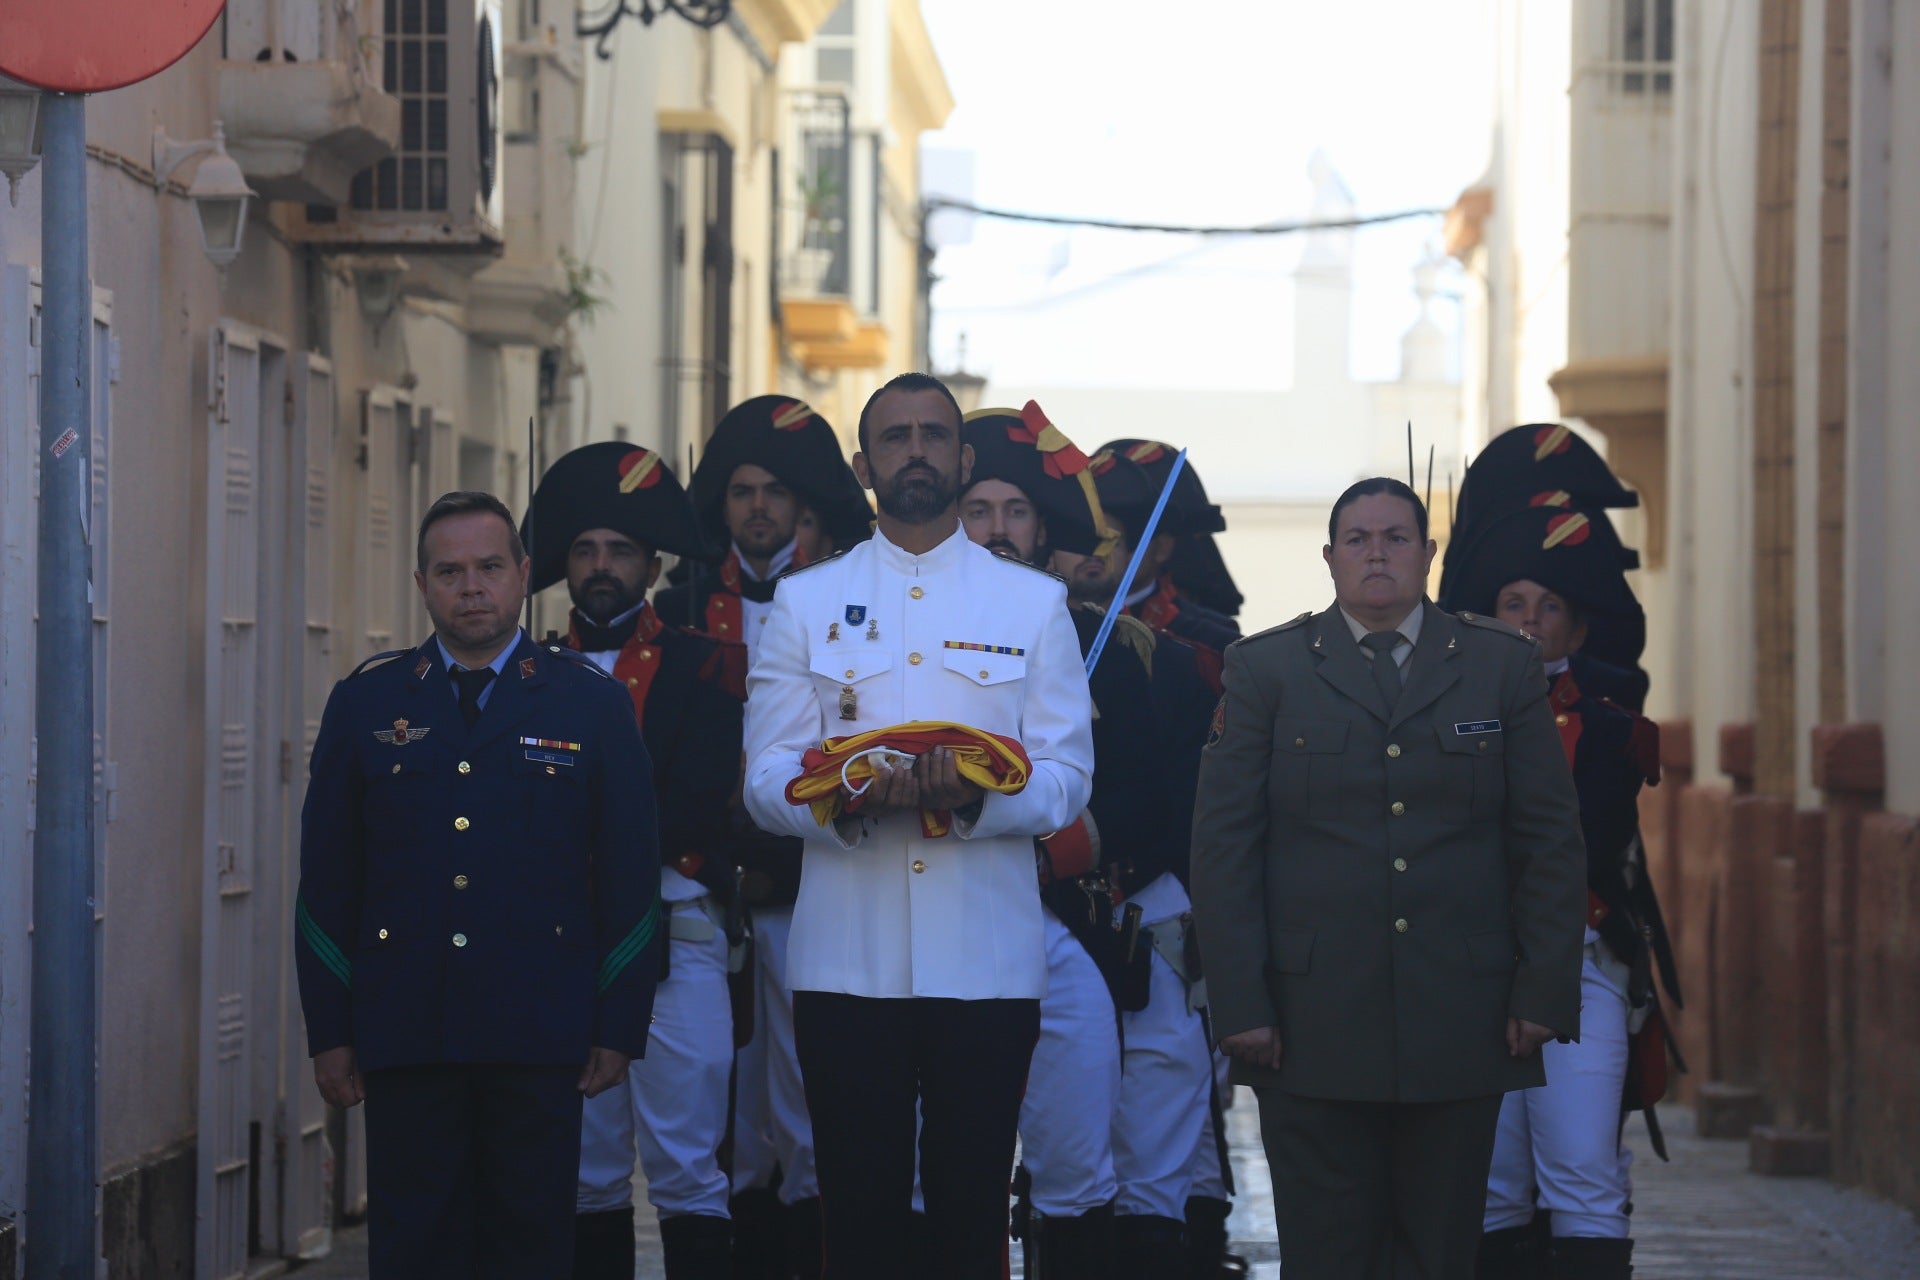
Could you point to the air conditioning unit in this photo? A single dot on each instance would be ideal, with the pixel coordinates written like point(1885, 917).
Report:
point(440, 188)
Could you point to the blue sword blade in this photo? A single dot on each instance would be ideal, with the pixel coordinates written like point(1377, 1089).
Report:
point(1133, 565)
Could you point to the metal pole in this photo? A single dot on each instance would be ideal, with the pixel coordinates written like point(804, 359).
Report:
point(63, 1141)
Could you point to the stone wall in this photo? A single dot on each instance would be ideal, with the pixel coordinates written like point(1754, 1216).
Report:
point(1797, 934)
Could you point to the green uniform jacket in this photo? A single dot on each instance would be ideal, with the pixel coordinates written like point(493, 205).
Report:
point(1387, 888)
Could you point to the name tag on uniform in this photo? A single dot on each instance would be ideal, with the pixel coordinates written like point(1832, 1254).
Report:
point(1466, 727)
point(551, 757)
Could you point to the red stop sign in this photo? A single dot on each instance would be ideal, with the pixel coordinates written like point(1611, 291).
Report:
point(84, 46)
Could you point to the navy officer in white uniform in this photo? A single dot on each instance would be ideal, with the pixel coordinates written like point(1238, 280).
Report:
point(917, 964)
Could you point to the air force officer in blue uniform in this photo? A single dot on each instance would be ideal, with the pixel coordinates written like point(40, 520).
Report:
point(477, 921)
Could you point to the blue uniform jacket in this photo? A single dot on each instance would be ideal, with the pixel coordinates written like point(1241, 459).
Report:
point(478, 896)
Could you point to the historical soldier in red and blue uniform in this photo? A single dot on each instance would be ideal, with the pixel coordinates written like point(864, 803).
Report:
point(601, 518)
point(478, 919)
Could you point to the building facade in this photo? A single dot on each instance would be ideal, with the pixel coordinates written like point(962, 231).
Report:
point(475, 243)
point(1697, 243)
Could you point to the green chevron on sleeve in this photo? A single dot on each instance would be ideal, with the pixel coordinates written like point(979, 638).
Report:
point(325, 949)
point(630, 946)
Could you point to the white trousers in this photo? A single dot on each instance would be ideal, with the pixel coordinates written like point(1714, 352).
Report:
point(1209, 1179)
point(674, 1102)
point(1564, 1138)
point(1073, 1086)
point(1165, 1072)
point(771, 1125)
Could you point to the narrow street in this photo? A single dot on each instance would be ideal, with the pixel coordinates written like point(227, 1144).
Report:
point(1701, 1217)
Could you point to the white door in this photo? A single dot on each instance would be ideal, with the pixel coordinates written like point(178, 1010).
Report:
point(307, 1231)
point(229, 800)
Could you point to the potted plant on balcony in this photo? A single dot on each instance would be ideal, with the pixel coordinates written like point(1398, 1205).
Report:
point(821, 229)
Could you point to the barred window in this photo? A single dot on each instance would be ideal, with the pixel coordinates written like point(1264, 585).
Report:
point(414, 49)
point(1644, 56)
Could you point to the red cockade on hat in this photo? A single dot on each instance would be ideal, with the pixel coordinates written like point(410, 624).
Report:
point(639, 470)
point(794, 415)
point(1569, 530)
point(1059, 457)
point(1550, 440)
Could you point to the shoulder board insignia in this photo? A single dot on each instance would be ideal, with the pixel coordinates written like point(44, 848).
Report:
point(377, 659)
point(1485, 623)
point(1032, 568)
point(802, 568)
point(1288, 625)
point(580, 660)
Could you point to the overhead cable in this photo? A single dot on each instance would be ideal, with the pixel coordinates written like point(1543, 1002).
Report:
point(935, 204)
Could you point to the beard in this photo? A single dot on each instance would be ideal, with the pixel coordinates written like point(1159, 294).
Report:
point(603, 597)
point(917, 494)
point(763, 543)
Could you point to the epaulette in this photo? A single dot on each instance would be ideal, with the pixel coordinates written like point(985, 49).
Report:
point(1288, 625)
point(388, 656)
point(1485, 623)
point(1138, 638)
point(802, 568)
point(1046, 573)
point(577, 659)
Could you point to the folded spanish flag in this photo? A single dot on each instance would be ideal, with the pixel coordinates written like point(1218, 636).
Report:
point(827, 771)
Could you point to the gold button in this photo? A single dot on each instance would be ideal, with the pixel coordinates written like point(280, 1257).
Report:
point(1399, 926)
point(1560, 720)
point(646, 655)
point(465, 767)
point(459, 882)
point(459, 939)
point(1483, 745)
point(914, 659)
point(1398, 808)
point(1299, 742)
point(551, 770)
point(986, 675)
point(461, 824)
point(849, 673)
point(1393, 751)
point(1399, 864)
point(396, 768)
point(632, 683)
point(383, 935)
point(918, 866)
point(723, 626)
point(916, 593)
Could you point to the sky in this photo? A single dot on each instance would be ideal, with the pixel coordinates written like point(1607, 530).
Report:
point(1194, 114)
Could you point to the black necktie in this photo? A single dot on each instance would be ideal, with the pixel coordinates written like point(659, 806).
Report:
point(472, 685)
point(595, 638)
point(1386, 672)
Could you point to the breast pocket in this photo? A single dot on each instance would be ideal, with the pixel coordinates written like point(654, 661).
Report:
point(1472, 774)
point(1308, 760)
point(978, 667)
point(556, 796)
point(399, 786)
point(846, 677)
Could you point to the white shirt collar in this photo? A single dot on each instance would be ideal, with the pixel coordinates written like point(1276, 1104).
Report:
point(1555, 667)
point(781, 561)
point(1409, 627)
point(943, 556)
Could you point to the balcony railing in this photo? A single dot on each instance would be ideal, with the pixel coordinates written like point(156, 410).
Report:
point(813, 197)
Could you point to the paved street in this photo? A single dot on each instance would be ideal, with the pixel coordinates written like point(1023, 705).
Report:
point(1702, 1217)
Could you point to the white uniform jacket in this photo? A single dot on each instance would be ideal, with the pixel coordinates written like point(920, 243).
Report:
point(883, 911)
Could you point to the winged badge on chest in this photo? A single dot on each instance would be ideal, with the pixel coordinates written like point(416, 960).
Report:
point(402, 733)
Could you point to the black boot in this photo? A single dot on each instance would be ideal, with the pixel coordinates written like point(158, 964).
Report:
point(1512, 1253)
point(1591, 1258)
point(759, 1246)
point(806, 1242)
point(1147, 1247)
point(697, 1246)
point(603, 1245)
point(1074, 1248)
point(1207, 1256)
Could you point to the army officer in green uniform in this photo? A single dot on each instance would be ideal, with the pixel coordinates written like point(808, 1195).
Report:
point(1389, 886)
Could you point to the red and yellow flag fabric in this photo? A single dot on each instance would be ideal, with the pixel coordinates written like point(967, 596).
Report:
point(987, 760)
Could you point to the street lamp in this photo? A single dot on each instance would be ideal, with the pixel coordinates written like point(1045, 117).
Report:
point(376, 285)
point(219, 191)
point(19, 133)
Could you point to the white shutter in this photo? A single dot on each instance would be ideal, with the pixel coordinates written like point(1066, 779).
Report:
point(380, 531)
point(308, 1226)
point(229, 798)
point(19, 440)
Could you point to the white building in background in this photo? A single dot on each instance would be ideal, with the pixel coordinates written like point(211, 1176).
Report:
point(1275, 460)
